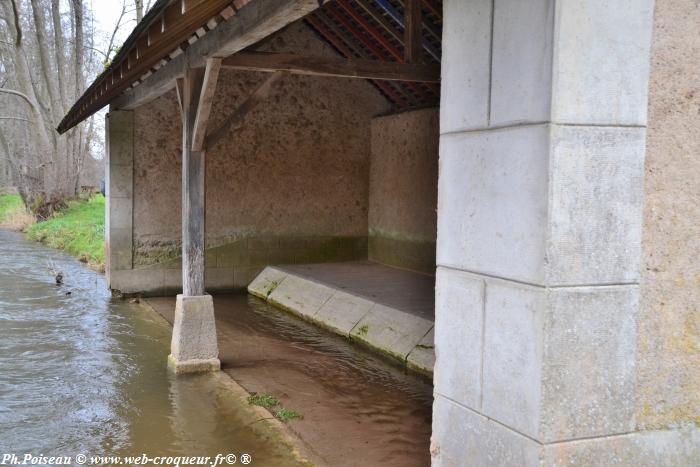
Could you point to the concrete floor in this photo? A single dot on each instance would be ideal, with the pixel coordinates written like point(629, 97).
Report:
point(407, 291)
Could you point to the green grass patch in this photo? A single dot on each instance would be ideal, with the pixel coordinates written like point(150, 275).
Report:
point(79, 230)
point(263, 400)
point(9, 203)
point(286, 415)
point(273, 404)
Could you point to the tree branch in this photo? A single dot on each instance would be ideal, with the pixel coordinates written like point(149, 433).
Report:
point(23, 96)
point(18, 28)
point(15, 118)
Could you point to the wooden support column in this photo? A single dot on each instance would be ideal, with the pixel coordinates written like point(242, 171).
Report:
point(193, 189)
point(413, 38)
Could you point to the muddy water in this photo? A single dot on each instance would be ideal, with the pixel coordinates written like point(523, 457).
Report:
point(81, 373)
point(358, 409)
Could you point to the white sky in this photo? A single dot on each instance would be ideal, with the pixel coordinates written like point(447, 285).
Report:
point(106, 16)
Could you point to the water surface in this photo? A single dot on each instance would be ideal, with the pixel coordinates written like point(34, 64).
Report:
point(82, 373)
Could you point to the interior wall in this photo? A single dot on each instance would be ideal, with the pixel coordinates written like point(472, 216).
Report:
point(291, 185)
point(669, 331)
point(403, 190)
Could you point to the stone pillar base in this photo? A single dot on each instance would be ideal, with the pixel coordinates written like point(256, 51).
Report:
point(193, 366)
point(194, 348)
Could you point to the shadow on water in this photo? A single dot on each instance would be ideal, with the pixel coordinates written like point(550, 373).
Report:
point(83, 373)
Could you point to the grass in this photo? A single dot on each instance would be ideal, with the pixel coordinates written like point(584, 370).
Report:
point(13, 214)
point(79, 230)
point(273, 404)
point(263, 400)
point(287, 414)
point(9, 203)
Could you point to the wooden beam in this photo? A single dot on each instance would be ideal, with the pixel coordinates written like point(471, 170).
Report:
point(179, 90)
point(206, 98)
point(193, 190)
point(235, 119)
point(335, 67)
point(413, 39)
point(251, 24)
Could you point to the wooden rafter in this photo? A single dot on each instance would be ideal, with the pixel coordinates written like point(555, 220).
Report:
point(333, 36)
point(206, 99)
point(335, 67)
point(413, 39)
point(179, 19)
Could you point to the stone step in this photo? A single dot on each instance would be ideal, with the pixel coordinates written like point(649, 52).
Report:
point(402, 336)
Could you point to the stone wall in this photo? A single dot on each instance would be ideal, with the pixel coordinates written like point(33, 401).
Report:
point(290, 186)
point(403, 190)
point(669, 331)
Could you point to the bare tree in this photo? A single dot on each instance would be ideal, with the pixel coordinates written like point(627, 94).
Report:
point(42, 78)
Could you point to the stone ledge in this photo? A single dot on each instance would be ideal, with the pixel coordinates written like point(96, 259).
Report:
point(392, 332)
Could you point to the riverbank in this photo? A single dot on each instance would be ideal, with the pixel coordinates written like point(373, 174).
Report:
point(78, 229)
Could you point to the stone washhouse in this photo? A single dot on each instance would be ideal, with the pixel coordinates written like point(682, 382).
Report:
point(502, 194)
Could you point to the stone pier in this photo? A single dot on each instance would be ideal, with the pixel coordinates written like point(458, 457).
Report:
point(543, 128)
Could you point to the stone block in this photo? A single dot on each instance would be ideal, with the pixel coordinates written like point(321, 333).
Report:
point(194, 347)
point(422, 357)
point(492, 202)
point(136, 280)
point(601, 61)
point(390, 331)
point(559, 364)
point(459, 310)
point(300, 296)
point(589, 373)
point(266, 282)
point(521, 84)
point(121, 181)
point(462, 437)
point(595, 210)
point(342, 312)
point(120, 213)
point(512, 357)
point(120, 137)
point(466, 57)
point(120, 248)
point(668, 448)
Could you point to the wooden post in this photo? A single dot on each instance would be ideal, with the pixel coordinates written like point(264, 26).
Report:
point(413, 37)
point(193, 189)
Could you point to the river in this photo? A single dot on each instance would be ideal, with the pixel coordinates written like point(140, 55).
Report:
point(83, 373)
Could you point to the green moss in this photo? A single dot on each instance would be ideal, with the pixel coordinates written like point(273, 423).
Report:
point(79, 230)
point(364, 329)
point(271, 288)
point(146, 255)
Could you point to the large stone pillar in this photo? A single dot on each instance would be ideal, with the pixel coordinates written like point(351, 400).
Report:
point(543, 124)
point(119, 188)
